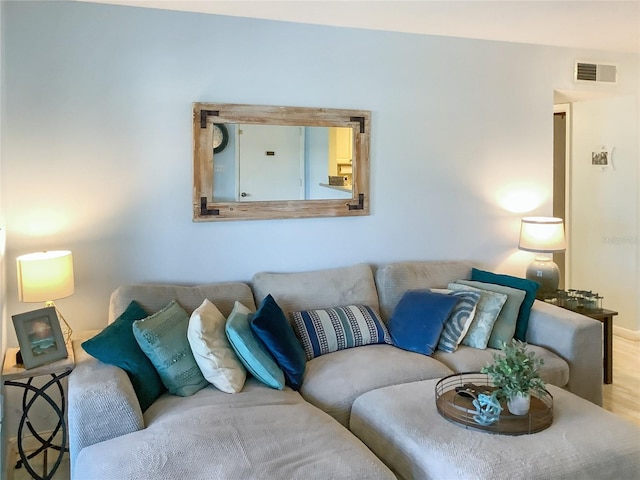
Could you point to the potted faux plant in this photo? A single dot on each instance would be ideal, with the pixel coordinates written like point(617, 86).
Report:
point(515, 373)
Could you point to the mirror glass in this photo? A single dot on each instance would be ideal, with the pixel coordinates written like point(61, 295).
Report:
point(255, 162)
point(280, 162)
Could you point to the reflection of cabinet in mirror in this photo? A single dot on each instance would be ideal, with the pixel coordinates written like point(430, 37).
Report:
point(244, 180)
point(340, 156)
point(340, 148)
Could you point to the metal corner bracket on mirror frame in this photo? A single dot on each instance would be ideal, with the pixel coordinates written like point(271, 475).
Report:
point(206, 208)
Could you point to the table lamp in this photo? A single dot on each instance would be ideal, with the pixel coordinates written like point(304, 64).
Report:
point(45, 277)
point(543, 236)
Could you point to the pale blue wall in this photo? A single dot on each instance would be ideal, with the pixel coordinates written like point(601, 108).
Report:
point(97, 142)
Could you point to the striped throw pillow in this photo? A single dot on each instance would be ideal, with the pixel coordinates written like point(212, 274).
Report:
point(332, 329)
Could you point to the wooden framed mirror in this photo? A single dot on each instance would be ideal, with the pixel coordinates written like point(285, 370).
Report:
point(279, 162)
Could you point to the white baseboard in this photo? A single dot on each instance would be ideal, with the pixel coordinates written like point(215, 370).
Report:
point(626, 333)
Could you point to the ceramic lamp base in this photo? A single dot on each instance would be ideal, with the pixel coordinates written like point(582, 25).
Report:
point(544, 271)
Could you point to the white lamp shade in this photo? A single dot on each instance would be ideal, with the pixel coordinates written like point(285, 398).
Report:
point(542, 235)
point(45, 276)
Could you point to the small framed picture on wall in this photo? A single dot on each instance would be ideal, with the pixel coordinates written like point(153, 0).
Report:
point(40, 337)
point(600, 157)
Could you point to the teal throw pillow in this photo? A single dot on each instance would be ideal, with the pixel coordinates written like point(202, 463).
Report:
point(487, 311)
point(163, 339)
point(116, 345)
point(418, 320)
point(331, 329)
point(459, 321)
point(505, 326)
point(250, 350)
point(272, 327)
point(529, 286)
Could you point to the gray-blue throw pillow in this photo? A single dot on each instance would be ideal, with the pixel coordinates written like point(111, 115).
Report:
point(116, 345)
point(418, 320)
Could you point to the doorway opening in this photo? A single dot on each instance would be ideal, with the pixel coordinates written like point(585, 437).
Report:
point(561, 183)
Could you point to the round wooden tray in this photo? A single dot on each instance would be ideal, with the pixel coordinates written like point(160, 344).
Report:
point(460, 410)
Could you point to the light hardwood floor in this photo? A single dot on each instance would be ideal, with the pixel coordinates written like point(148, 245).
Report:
point(622, 397)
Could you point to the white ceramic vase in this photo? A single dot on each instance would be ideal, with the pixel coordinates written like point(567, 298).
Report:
point(519, 404)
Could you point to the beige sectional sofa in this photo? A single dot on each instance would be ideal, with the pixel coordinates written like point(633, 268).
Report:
point(265, 433)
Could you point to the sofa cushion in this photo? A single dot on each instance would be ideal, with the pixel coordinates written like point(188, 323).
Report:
point(163, 338)
point(530, 287)
point(274, 330)
point(253, 393)
point(117, 346)
point(333, 381)
point(505, 326)
point(250, 350)
point(394, 279)
point(212, 351)
point(418, 320)
point(487, 311)
point(459, 321)
point(555, 370)
point(329, 330)
point(318, 289)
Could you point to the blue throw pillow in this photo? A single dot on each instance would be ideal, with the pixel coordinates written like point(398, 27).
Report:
point(529, 286)
point(272, 327)
point(331, 329)
point(116, 345)
point(250, 350)
point(418, 320)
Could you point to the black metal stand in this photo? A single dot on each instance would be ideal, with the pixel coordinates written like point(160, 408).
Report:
point(45, 443)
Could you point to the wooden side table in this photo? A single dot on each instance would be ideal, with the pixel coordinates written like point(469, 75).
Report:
point(16, 376)
point(606, 317)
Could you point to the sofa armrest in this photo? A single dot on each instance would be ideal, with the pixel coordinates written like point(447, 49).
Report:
point(577, 339)
point(101, 403)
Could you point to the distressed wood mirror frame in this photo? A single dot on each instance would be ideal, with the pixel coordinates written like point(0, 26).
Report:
point(205, 115)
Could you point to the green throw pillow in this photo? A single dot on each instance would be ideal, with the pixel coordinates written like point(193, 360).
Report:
point(163, 338)
point(116, 345)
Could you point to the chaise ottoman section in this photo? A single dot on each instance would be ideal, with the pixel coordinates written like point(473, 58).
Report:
point(401, 425)
point(252, 442)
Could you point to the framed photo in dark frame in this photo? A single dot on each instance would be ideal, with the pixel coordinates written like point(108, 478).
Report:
point(40, 337)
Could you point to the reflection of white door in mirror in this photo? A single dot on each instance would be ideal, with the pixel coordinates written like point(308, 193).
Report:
point(272, 166)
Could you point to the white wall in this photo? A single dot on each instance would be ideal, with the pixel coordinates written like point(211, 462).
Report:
point(97, 142)
point(604, 204)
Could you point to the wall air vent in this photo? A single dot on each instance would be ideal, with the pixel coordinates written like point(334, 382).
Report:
point(592, 72)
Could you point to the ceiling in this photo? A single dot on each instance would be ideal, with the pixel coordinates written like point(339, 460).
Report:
point(608, 25)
